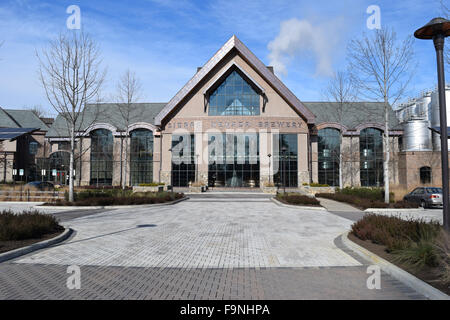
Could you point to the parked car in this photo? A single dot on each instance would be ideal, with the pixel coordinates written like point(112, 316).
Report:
point(426, 196)
point(40, 185)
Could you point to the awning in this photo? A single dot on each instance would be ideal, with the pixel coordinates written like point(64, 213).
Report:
point(14, 133)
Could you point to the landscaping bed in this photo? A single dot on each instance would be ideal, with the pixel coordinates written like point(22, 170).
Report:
point(117, 197)
point(297, 199)
point(421, 248)
point(20, 230)
point(364, 198)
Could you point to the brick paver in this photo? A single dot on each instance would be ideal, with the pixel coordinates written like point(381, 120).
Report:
point(200, 250)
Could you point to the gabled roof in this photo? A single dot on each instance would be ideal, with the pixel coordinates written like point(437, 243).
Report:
point(6, 121)
point(26, 119)
point(107, 113)
point(353, 114)
point(272, 79)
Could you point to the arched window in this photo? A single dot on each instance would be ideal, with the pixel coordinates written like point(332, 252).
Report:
point(141, 156)
point(329, 151)
point(371, 157)
point(101, 157)
point(425, 175)
point(234, 96)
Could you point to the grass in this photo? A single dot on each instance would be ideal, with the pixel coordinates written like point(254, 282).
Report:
point(28, 225)
point(118, 197)
point(297, 199)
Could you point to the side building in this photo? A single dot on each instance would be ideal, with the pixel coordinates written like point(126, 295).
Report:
point(22, 142)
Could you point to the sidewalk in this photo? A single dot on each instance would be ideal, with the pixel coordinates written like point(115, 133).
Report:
point(342, 209)
point(332, 205)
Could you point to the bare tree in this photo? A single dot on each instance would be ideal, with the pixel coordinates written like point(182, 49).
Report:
point(381, 66)
point(70, 72)
point(128, 92)
point(341, 91)
point(38, 111)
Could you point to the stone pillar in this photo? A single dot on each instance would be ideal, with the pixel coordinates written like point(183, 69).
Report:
point(314, 159)
point(265, 148)
point(166, 160)
point(117, 161)
point(86, 162)
point(201, 157)
point(302, 158)
point(156, 156)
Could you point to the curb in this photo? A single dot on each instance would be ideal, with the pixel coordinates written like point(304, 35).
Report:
point(403, 276)
point(387, 210)
point(110, 207)
point(296, 207)
point(35, 246)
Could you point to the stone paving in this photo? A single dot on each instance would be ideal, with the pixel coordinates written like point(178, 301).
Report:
point(233, 249)
point(203, 235)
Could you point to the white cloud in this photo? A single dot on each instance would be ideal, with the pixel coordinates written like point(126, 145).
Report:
point(300, 38)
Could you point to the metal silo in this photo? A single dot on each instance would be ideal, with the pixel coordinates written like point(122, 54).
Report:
point(435, 118)
point(416, 135)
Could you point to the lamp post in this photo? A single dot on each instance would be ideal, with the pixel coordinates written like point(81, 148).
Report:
point(171, 173)
point(283, 154)
point(437, 30)
point(269, 155)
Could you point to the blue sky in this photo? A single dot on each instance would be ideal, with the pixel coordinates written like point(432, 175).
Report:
point(165, 41)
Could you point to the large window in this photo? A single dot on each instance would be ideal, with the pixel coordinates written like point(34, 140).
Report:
point(371, 157)
point(329, 150)
point(101, 157)
point(141, 156)
point(233, 160)
point(285, 159)
point(183, 160)
point(234, 96)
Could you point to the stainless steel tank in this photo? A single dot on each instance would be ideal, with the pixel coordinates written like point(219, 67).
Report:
point(435, 118)
point(416, 135)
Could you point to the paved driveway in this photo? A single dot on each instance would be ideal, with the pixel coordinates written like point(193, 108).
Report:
point(203, 234)
point(200, 249)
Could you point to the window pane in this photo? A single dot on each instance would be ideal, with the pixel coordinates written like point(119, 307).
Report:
point(234, 97)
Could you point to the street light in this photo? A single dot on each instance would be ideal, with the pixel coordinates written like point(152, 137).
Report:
point(438, 29)
point(269, 155)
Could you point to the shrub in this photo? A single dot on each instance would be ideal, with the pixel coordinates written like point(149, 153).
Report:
point(125, 198)
point(365, 202)
point(28, 225)
point(376, 194)
point(394, 232)
point(319, 185)
point(297, 199)
point(151, 184)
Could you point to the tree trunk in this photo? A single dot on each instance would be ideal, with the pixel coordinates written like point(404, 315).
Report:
point(126, 161)
point(387, 151)
point(72, 152)
point(340, 161)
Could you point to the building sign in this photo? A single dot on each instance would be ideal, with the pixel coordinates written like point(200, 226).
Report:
point(242, 123)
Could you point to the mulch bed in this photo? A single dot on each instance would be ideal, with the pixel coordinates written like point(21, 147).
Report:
point(429, 275)
point(16, 244)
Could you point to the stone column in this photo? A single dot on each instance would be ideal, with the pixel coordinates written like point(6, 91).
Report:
point(302, 158)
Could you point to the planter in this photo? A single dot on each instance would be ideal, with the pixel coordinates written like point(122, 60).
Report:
point(148, 189)
point(313, 190)
point(271, 190)
point(197, 189)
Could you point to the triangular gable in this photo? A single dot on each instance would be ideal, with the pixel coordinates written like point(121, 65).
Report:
point(235, 43)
